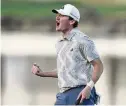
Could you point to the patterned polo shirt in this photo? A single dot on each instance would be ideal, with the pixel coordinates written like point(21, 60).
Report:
point(74, 54)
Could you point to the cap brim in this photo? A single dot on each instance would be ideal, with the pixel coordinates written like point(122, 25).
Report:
point(58, 11)
point(55, 11)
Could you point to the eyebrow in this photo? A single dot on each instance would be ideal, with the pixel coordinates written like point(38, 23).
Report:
point(62, 15)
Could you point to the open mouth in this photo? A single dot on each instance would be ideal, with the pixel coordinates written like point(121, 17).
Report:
point(57, 23)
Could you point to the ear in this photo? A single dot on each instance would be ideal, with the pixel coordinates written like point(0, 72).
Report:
point(72, 22)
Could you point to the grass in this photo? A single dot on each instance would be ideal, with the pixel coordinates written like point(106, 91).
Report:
point(27, 9)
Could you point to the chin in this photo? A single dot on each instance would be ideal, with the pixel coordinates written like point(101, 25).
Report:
point(58, 30)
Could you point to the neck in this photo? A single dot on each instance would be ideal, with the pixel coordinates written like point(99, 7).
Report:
point(66, 32)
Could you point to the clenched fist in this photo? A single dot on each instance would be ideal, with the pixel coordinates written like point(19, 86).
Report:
point(35, 69)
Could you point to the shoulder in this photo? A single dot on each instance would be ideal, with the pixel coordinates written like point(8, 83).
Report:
point(82, 38)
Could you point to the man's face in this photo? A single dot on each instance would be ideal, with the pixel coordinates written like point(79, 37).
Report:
point(62, 23)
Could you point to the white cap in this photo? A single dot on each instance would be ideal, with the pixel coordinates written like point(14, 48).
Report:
point(69, 10)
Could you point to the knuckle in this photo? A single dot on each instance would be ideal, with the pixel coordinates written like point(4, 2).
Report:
point(83, 97)
point(34, 64)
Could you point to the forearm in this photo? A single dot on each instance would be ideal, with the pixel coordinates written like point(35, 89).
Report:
point(48, 74)
point(97, 70)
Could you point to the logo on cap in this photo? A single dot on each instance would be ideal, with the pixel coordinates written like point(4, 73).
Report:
point(62, 7)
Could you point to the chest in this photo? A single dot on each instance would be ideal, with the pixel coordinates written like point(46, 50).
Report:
point(68, 49)
point(67, 46)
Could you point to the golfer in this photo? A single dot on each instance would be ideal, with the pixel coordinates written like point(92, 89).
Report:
point(78, 63)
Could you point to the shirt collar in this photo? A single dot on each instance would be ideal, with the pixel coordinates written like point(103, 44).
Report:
point(70, 35)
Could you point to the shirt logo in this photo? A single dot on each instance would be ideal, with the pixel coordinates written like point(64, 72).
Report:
point(71, 49)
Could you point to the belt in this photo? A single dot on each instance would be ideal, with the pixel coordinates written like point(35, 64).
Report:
point(78, 86)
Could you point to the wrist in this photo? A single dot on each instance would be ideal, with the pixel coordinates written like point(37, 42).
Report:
point(38, 73)
point(90, 84)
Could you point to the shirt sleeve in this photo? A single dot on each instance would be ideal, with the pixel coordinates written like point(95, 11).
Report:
point(89, 51)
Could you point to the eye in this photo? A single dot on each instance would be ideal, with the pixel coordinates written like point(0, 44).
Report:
point(60, 15)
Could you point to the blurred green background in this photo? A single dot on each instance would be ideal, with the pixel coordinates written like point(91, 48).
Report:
point(24, 14)
point(37, 9)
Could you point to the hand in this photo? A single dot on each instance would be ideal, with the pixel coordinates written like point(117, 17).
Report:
point(84, 94)
point(35, 69)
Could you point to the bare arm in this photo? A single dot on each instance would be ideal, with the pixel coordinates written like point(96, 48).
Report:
point(37, 71)
point(92, 56)
point(48, 74)
point(98, 69)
